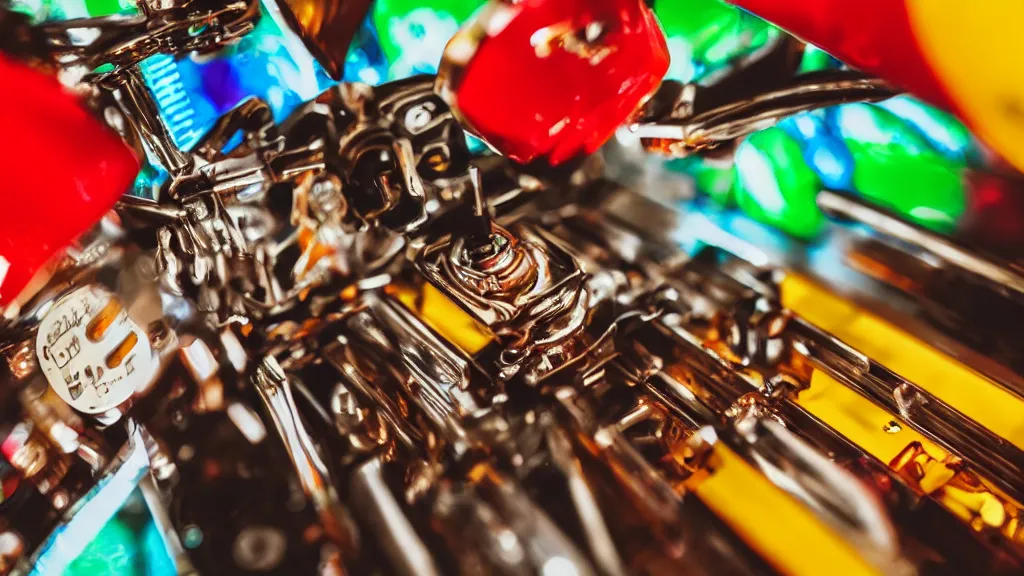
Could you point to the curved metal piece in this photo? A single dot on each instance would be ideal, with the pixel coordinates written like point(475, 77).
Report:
point(123, 41)
point(373, 499)
point(141, 112)
point(275, 391)
point(834, 494)
point(680, 136)
point(252, 117)
point(548, 548)
point(936, 244)
point(998, 458)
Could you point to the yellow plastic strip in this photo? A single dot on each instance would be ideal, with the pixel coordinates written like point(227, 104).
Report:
point(863, 422)
point(975, 49)
point(444, 316)
point(776, 526)
point(947, 379)
point(922, 463)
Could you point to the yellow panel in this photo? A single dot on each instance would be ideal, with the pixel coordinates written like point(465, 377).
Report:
point(947, 379)
point(444, 316)
point(861, 421)
point(975, 48)
point(926, 466)
point(776, 526)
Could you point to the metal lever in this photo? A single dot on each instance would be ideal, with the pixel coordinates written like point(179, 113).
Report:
point(832, 492)
point(374, 501)
point(478, 231)
point(681, 134)
point(141, 112)
point(845, 205)
point(276, 393)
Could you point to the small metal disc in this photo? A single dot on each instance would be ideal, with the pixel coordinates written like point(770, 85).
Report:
point(93, 355)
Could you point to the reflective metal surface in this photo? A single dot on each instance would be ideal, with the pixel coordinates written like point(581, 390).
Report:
point(341, 343)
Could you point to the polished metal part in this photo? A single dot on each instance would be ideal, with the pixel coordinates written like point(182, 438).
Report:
point(848, 207)
point(494, 374)
point(1002, 460)
point(141, 113)
point(786, 461)
point(599, 539)
point(527, 290)
point(124, 41)
point(373, 499)
point(276, 394)
point(833, 492)
point(684, 132)
point(477, 535)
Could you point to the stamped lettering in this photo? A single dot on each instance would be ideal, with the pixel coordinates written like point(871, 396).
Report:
point(92, 353)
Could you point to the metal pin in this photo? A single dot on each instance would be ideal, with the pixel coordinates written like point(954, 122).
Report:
point(479, 232)
point(275, 392)
point(841, 204)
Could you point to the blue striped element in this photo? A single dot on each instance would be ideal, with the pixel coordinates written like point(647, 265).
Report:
point(179, 113)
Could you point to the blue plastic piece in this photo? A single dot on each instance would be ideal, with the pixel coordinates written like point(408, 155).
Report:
point(826, 154)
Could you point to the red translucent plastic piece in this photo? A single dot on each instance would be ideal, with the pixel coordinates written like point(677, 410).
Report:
point(556, 78)
point(61, 170)
point(874, 36)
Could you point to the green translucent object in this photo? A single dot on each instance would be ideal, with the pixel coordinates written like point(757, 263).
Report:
point(815, 59)
point(113, 551)
point(871, 124)
point(897, 167)
point(717, 183)
point(148, 183)
point(704, 36)
point(712, 180)
point(130, 544)
point(941, 129)
point(775, 186)
point(157, 560)
point(926, 189)
point(107, 7)
point(413, 33)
